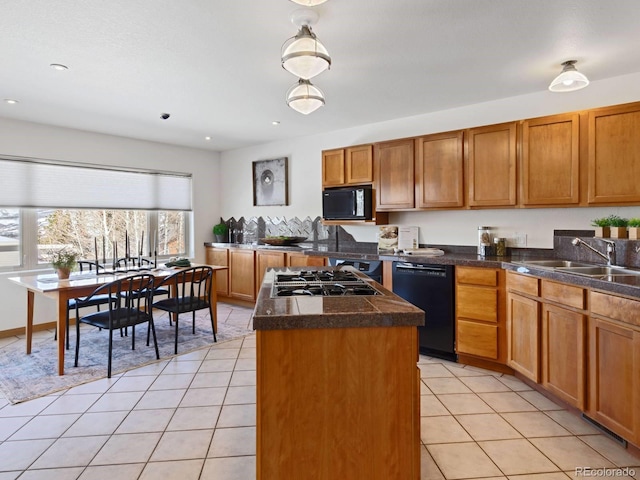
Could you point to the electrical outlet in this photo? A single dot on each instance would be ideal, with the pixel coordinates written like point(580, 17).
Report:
point(520, 239)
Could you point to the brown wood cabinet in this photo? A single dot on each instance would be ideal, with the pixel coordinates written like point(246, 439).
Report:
point(480, 313)
point(330, 412)
point(394, 174)
point(564, 338)
point(523, 325)
point(614, 363)
point(614, 154)
point(492, 165)
point(439, 166)
point(266, 259)
point(295, 259)
point(347, 166)
point(550, 160)
point(219, 256)
point(242, 275)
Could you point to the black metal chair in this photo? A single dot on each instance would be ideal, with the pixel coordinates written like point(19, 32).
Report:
point(135, 263)
point(129, 301)
point(191, 291)
point(98, 300)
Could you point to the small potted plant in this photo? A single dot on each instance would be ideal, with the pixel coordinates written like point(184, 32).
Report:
point(602, 227)
point(634, 228)
point(63, 261)
point(220, 231)
point(618, 227)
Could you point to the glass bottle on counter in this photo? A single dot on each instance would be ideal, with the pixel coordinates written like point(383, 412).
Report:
point(484, 240)
point(500, 246)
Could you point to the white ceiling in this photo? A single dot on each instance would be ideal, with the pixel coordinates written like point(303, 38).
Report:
point(214, 65)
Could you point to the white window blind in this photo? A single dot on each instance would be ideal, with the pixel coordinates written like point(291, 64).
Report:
point(39, 183)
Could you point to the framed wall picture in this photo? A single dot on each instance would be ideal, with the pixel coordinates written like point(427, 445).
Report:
point(270, 184)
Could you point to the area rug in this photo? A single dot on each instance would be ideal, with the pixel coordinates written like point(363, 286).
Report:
point(24, 377)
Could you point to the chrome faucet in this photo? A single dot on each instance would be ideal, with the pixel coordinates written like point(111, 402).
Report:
point(610, 256)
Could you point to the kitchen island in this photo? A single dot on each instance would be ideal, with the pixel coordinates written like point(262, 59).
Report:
point(338, 389)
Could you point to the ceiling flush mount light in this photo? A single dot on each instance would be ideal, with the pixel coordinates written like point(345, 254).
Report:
point(304, 55)
point(309, 3)
point(570, 79)
point(304, 97)
point(207, 138)
point(59, 67)
point(11, 101)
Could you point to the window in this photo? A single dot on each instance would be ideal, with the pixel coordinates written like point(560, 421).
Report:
point(9, 237)
point(102, 233)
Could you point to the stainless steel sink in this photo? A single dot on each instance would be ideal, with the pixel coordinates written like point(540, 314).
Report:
point(554, 263)
point(598, 271)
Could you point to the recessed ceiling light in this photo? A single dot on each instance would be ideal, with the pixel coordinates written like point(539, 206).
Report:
point(207, 138)
point(11, 101)
point(59, 67)
point(275, 122)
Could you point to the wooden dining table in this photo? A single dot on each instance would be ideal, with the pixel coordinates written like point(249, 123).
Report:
point(81, 284)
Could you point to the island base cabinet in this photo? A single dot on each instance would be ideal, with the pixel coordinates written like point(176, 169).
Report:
point(338, 403)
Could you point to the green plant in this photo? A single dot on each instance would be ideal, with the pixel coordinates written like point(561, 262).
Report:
point(610, 221)
point(64, 259)
point(634, 222)
point(220, 229)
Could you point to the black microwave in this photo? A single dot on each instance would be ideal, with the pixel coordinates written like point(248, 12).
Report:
point(347, 203)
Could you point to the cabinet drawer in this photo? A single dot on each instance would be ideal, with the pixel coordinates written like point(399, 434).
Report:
point(523, 284)
point(477, 303)
point(568, 295)
point(477, 339)
point(477, 276)
point(617, 308)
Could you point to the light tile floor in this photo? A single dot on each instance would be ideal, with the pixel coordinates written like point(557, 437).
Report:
point(194, 417)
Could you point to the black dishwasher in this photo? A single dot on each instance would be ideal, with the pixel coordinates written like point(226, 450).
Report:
point(431, 288)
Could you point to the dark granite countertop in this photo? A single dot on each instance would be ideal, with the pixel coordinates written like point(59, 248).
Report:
point(385, 310)
point(461, 256)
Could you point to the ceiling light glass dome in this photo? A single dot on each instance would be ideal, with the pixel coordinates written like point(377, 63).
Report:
point(304, 97)
point(570, 79)
point(304, 55)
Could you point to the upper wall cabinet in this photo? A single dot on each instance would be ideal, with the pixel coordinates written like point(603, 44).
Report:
point(614, 154)
point(492, 165)
point(550, 157)
point(394, 174)
point(347, 166)
point(439, 170)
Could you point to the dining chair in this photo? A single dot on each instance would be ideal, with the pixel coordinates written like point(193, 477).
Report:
point(98, 300)
point(190, 291)
point(134, 262)
point(129, 300)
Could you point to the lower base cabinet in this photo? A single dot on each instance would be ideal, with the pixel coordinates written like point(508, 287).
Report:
point(523, 335)
point(242, 274)
point(564, 337)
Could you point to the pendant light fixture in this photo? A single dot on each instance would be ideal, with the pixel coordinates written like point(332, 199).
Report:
point(309, 3)
point(304, 55)
point(304, 97)
point(570, 79)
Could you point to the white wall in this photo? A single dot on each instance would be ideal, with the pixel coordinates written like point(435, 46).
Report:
point(40, 141)
point(456, 227)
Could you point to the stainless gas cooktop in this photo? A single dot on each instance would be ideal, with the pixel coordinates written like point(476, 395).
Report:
point(325, 283)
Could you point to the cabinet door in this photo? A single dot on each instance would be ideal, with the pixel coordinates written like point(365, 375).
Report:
point(219, 256)
point(614, 384)
point(333, 167)
point(301, 260)
point(394, 174)
point(492, 165)
point(563, 354)
point(439, 171)
point(264, 260)
point(614, 154)
point(523, 335)
point(242, 274)
point(359, 164)
point(550, 158)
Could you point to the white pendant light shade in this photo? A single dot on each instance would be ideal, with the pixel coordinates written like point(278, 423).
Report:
point(304, 55)
point(304, 97)
point(309, 3)
point(570, 79)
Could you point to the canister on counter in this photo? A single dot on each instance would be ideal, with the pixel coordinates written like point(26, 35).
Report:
point(500, 246)
point(484, 240)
